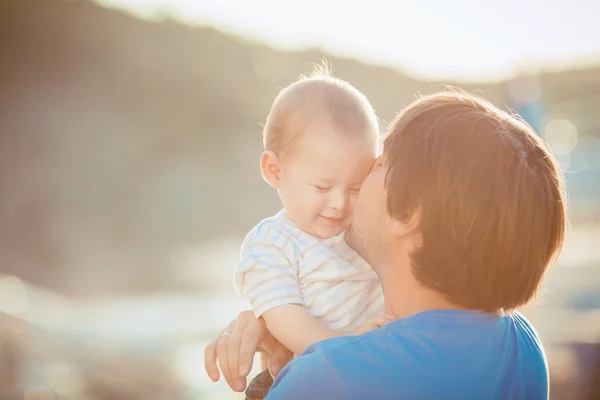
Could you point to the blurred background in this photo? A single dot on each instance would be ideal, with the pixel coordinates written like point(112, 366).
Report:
point(129, 145)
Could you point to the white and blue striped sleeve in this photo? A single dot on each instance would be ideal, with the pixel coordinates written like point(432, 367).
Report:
point(267, 275)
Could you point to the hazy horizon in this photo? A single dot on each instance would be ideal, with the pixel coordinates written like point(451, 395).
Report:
point(465, 40)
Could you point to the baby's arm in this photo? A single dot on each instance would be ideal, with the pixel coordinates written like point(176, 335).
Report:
point(295, 328)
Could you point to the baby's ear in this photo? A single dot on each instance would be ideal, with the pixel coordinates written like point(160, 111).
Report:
point(270, 168)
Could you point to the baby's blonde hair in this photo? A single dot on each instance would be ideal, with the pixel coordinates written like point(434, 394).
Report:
point(311, 98)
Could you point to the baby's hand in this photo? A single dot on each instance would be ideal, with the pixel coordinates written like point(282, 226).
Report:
point(372, 324)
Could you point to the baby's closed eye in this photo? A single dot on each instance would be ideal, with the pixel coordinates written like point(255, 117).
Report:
point(322, 188)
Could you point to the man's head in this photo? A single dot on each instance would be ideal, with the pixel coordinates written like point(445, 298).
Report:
point(469, 196)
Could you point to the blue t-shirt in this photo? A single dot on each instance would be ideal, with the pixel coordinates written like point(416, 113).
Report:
point(440, 354)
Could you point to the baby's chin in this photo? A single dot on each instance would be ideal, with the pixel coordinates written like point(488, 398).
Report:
point(328, 232)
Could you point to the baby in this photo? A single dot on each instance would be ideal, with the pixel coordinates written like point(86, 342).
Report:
point(296, 270)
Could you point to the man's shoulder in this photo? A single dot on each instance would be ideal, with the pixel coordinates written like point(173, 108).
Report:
point(533, 350)
point(526, 327)
point(352, 356)
point(332, 369)
point(307, 377)
point(346, 344)
point(426, 356)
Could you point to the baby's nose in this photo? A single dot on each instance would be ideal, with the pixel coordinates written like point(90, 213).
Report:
point(338, 201)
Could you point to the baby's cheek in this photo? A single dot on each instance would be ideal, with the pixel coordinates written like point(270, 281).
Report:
point(310, 200)
point(320, 200)
point(352, 201)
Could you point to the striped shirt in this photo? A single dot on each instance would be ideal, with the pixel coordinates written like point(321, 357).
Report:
point(281, 264)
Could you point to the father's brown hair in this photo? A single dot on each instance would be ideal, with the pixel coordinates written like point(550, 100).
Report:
point(490, 194)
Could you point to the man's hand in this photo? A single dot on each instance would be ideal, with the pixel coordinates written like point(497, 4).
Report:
point(235, 347)
point(372, 324)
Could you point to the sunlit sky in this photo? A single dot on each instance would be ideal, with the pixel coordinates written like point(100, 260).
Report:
point(461, 39)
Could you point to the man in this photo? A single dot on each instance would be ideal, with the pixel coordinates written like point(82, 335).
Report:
point(460, 218)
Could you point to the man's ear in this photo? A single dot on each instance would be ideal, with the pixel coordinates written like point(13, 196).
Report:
point(408, 225)
point(270, 168)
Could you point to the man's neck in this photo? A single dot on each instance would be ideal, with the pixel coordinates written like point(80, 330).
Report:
point(405, 296)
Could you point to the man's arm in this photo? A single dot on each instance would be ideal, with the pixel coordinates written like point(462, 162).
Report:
point(306, 378)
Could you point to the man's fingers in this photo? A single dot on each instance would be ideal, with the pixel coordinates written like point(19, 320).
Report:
point(280, 356)
point(248, 347)
point(210, 354)
point(233, 352)
point(223, 357)
point(210, 360)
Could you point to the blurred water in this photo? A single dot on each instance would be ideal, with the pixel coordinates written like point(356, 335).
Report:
point(172, 328)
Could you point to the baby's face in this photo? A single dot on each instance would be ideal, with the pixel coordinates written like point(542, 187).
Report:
point(321, 178)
